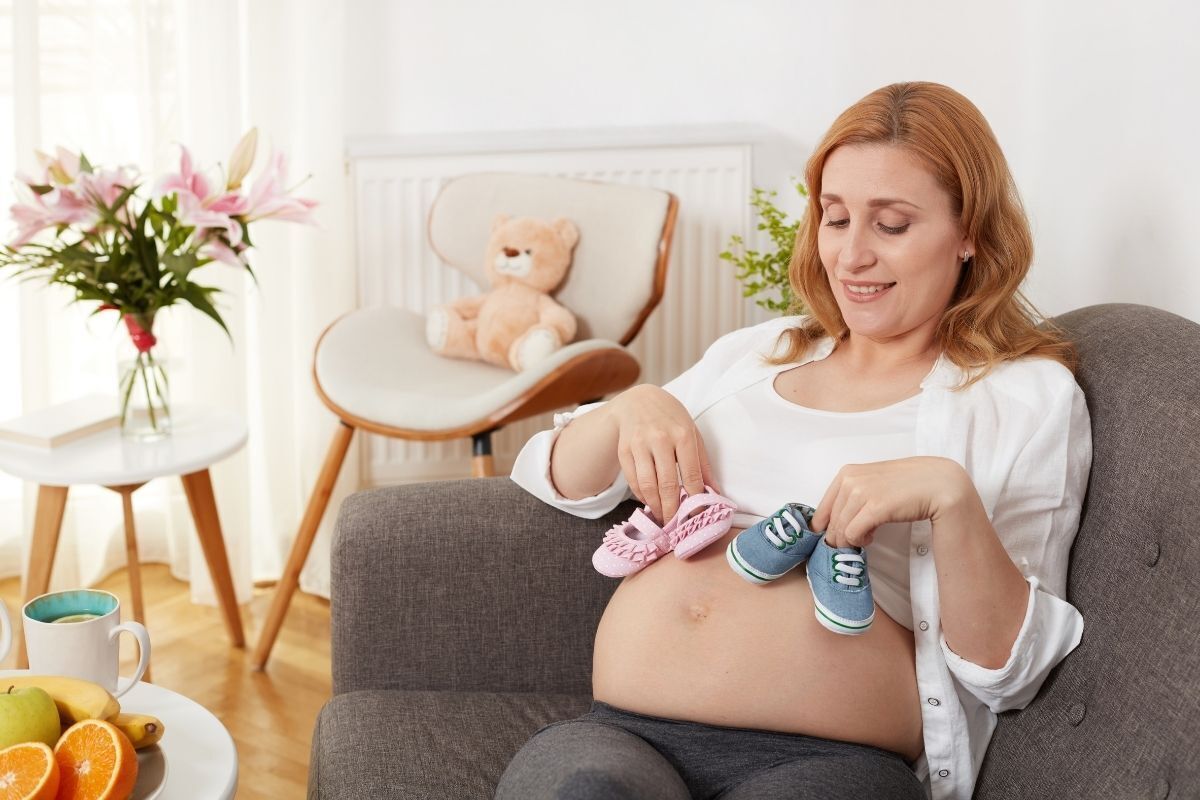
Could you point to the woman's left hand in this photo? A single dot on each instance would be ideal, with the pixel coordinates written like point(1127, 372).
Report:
point(864, 496)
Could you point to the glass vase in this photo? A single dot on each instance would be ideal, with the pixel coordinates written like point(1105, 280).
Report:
point(143, 388)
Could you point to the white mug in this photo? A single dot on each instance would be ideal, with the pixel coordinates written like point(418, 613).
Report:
point(75, 633)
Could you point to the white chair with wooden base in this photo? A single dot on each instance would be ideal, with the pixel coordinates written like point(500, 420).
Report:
point(374, 370)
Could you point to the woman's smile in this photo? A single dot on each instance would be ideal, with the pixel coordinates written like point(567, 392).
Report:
point(858, 292)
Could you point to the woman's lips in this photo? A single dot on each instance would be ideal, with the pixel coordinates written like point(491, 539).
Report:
point(865, 298)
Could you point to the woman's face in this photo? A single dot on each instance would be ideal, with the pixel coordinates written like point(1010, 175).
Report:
point(889, 241)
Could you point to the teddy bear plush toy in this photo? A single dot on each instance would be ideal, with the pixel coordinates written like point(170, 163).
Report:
point(516, 323)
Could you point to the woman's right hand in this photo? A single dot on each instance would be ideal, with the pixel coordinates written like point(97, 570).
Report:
point(659, 447)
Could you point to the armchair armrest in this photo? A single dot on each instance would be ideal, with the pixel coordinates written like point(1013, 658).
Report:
point(466, 585)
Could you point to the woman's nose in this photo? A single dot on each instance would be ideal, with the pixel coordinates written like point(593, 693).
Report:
point(856, 250)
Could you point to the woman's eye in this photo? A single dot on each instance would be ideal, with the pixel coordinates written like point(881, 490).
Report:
point(888, 229)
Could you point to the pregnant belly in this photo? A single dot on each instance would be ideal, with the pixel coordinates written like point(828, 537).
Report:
point(691, 640)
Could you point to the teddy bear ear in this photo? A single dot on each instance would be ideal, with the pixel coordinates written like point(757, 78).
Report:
point(566, 231)
point(499, 220)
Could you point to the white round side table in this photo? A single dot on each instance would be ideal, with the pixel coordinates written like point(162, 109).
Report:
point(196, 756)
point(200, 437)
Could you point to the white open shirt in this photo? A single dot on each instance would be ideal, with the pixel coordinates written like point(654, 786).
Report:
point(1023, 435)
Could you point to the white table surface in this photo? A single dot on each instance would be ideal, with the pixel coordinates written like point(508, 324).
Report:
point(200, 755)
point(200, 437)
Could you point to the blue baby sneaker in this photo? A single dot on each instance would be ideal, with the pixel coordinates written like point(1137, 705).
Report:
point(841, 588)
point(773, 546)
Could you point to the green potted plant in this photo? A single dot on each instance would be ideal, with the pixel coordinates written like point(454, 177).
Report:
point(766, 272)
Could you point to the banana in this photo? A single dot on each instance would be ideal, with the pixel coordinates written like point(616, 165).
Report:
point(142, 729)
point(76, 699)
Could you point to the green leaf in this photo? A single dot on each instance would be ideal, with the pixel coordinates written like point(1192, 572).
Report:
point(180, 264)
point(767, 271)
point(198, 296)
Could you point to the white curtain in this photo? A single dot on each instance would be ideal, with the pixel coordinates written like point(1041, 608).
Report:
point(127, 81)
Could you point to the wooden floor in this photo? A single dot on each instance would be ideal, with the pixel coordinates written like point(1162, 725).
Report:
point(269, 714)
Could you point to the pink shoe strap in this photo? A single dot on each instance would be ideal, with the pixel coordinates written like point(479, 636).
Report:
point(691, 503)
point(655, 535)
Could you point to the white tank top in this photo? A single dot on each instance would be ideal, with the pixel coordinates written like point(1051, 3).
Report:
point(766, 451)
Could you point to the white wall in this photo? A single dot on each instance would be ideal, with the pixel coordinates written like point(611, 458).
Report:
point(1097, 104)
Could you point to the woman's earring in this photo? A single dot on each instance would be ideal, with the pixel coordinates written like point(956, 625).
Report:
point(966, 259)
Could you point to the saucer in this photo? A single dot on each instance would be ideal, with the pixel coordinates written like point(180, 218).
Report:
point(152, 773)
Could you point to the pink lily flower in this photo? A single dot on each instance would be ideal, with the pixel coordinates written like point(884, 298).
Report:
point(231, 203)
point(193, 212)
point(58, 207)
point(242, 159)
point(217, 250)
point(201, 207)
point(107, 185)
point(31, 219)
point(187, 181)
point(62, 169)
point(269, 200)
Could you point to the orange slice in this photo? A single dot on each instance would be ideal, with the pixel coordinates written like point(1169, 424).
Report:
point(95, 762)
point(28, 771)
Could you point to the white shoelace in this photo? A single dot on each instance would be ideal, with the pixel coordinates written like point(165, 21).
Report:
point(844, 563)
point(780, 537)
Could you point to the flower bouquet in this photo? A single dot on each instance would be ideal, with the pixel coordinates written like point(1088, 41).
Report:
point(91, 229)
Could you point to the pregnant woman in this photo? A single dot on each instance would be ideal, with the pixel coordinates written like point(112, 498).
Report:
point(924, 415)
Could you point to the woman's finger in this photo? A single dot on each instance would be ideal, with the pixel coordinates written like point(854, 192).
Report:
point(820, 520)
point(854, 518)
point(691, 465)
point(845, 506)
point(629, 470)
point(647, 479)
point(667, 470)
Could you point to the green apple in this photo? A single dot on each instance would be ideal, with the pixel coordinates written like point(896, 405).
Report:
point(28, 715)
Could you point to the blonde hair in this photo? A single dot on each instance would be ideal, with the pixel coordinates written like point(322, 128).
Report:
point(988, 320)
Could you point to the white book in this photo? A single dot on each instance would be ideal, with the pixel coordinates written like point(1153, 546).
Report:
point(63, 423)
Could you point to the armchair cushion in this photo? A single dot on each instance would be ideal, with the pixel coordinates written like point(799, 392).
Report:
point(375, 364)
point(521, 619)
point(376, 744)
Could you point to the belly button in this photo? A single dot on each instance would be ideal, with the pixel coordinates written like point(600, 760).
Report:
point(698, 612)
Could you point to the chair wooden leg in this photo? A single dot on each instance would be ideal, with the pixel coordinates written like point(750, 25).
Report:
point(317, 503)
point(482, 467)
point(198, 488)
point(47, 522)
point(132, 561)
point(481, 461)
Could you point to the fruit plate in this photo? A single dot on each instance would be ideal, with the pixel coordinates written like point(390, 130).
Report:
point(152, 773)
point(200, 752)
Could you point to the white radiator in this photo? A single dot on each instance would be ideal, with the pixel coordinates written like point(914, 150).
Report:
point(710, 170)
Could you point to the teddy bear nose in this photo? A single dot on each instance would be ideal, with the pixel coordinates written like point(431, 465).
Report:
point(511, 253)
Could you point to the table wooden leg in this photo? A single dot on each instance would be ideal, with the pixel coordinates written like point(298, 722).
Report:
point(303, 543)
point(132, 562)
point(47, 522)
point(198, 487)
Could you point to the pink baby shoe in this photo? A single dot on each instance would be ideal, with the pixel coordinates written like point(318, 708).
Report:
point(631, 545)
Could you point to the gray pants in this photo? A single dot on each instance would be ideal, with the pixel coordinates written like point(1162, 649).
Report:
point(614, 754)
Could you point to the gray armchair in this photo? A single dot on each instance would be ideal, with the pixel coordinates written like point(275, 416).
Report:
point(444, 663)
